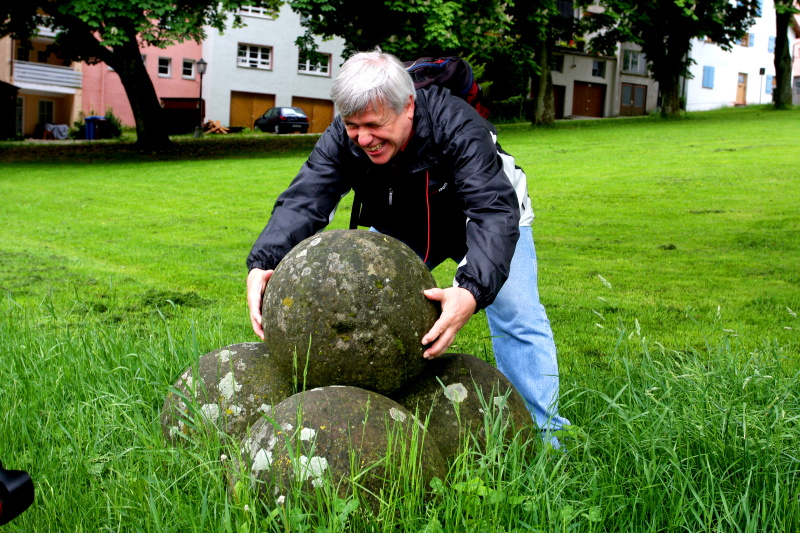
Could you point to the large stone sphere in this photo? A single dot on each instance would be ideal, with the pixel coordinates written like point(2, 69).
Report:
point(229, 389)
point(329, 435)
point(350, 303)
point(458, 393)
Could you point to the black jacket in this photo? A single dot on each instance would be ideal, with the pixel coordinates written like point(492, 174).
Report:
point(445, 195)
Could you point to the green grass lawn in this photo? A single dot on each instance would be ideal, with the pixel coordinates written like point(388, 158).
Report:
point(668, 255)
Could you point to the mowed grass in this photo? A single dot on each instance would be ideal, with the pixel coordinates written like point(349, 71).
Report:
point(668, 254)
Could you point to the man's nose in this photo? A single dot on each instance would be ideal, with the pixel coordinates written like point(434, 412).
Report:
point(364, 136)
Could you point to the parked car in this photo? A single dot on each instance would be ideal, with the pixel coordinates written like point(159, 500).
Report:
point(283, 120)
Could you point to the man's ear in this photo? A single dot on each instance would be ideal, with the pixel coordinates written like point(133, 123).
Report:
point(409, 109)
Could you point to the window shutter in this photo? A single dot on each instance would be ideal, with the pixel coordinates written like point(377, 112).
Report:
point(769, 84)
point(752, 39)
point(771, 45)
point(708, 77)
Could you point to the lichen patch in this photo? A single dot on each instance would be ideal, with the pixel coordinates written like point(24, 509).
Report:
point(397, 414)
point(456, 392)
point(210, 411)
point(228, 386)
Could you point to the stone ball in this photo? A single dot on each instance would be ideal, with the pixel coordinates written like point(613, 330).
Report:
point(328, 435)
point(228, 389)
point(348, 304)
point(457, 393)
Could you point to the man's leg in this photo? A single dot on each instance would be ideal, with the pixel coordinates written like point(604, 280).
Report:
point(523, 341)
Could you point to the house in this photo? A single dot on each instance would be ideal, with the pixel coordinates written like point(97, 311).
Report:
point(591, 85)
point(796, 58)
point(48, 88)
point(256, 67)
point(745, 75)
point(173, 71)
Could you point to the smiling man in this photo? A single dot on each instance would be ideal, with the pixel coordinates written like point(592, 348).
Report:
point(429, 172)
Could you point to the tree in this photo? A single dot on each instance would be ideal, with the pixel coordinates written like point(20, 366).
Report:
point(405, 28)
point(665, 29)
point(538, 26)
point(513, 40)
point(782, 94)
point(110, 31)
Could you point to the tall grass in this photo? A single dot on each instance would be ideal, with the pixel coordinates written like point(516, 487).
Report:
point(679, 364)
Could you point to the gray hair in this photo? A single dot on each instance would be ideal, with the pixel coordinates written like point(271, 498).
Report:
point(375, 78)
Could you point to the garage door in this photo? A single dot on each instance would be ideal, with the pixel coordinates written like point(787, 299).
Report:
point(588, 99)
point(247, 107)
point(320, 112)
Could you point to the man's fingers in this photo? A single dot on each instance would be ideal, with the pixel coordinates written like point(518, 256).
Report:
point(257, 281)
point(434, 294)
point(436, 331)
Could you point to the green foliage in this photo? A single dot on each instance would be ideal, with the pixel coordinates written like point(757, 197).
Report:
point(405, 28)
point(508, 109)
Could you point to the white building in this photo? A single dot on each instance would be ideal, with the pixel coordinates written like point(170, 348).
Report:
point(743, 76)
point(254, 68)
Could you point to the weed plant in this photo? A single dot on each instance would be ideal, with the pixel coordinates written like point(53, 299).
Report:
point(668, 254)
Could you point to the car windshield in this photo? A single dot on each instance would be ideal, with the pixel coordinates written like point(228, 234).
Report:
point(293, 112)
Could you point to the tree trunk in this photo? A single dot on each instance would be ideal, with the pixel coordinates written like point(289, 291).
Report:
point(150, 133)
point(670, 87)
point(782, 94)
point(542, 89)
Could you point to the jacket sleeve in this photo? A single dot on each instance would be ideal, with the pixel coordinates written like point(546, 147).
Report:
point(307, 205)
point(492, 209)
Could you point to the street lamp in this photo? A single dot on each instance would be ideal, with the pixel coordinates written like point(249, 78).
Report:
point(201, 66)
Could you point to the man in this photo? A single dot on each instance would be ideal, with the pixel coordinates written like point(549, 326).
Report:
point(429, 173)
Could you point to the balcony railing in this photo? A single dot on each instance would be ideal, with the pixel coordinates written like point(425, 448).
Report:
point(44, 74)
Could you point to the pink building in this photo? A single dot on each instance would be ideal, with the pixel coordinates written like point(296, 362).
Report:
point(172, 70)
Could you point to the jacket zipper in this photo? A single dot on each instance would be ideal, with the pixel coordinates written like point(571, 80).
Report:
point(391, 190)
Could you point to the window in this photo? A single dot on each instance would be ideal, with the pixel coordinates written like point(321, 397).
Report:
point(797, 85)
point(252, 11)
point(634, 62)
point(46, 111)
point(598, 69)
point(20, 112)
point(771, 45)
point(188, 69)
point(748, 40)
point(557, 63)
point(318, 69)
point(42, 56)
point(252, 56)
point(708, 77)
point(144, 60)
point(23, 54)
point(164, 67)
point(770, 84)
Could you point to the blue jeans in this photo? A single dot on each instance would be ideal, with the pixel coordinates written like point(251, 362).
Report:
point(523, 341)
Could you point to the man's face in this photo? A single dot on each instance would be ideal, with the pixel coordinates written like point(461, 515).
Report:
point(380, 132)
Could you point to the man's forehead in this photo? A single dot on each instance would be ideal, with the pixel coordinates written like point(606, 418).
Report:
point(373, 111)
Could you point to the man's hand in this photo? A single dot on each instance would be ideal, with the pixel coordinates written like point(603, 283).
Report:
point(256, 283)
point(458, 305)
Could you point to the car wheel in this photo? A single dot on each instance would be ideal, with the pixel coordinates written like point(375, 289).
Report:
point(277, 129)
point(304, 130)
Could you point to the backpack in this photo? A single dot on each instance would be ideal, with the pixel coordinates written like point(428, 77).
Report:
point(451, 72)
